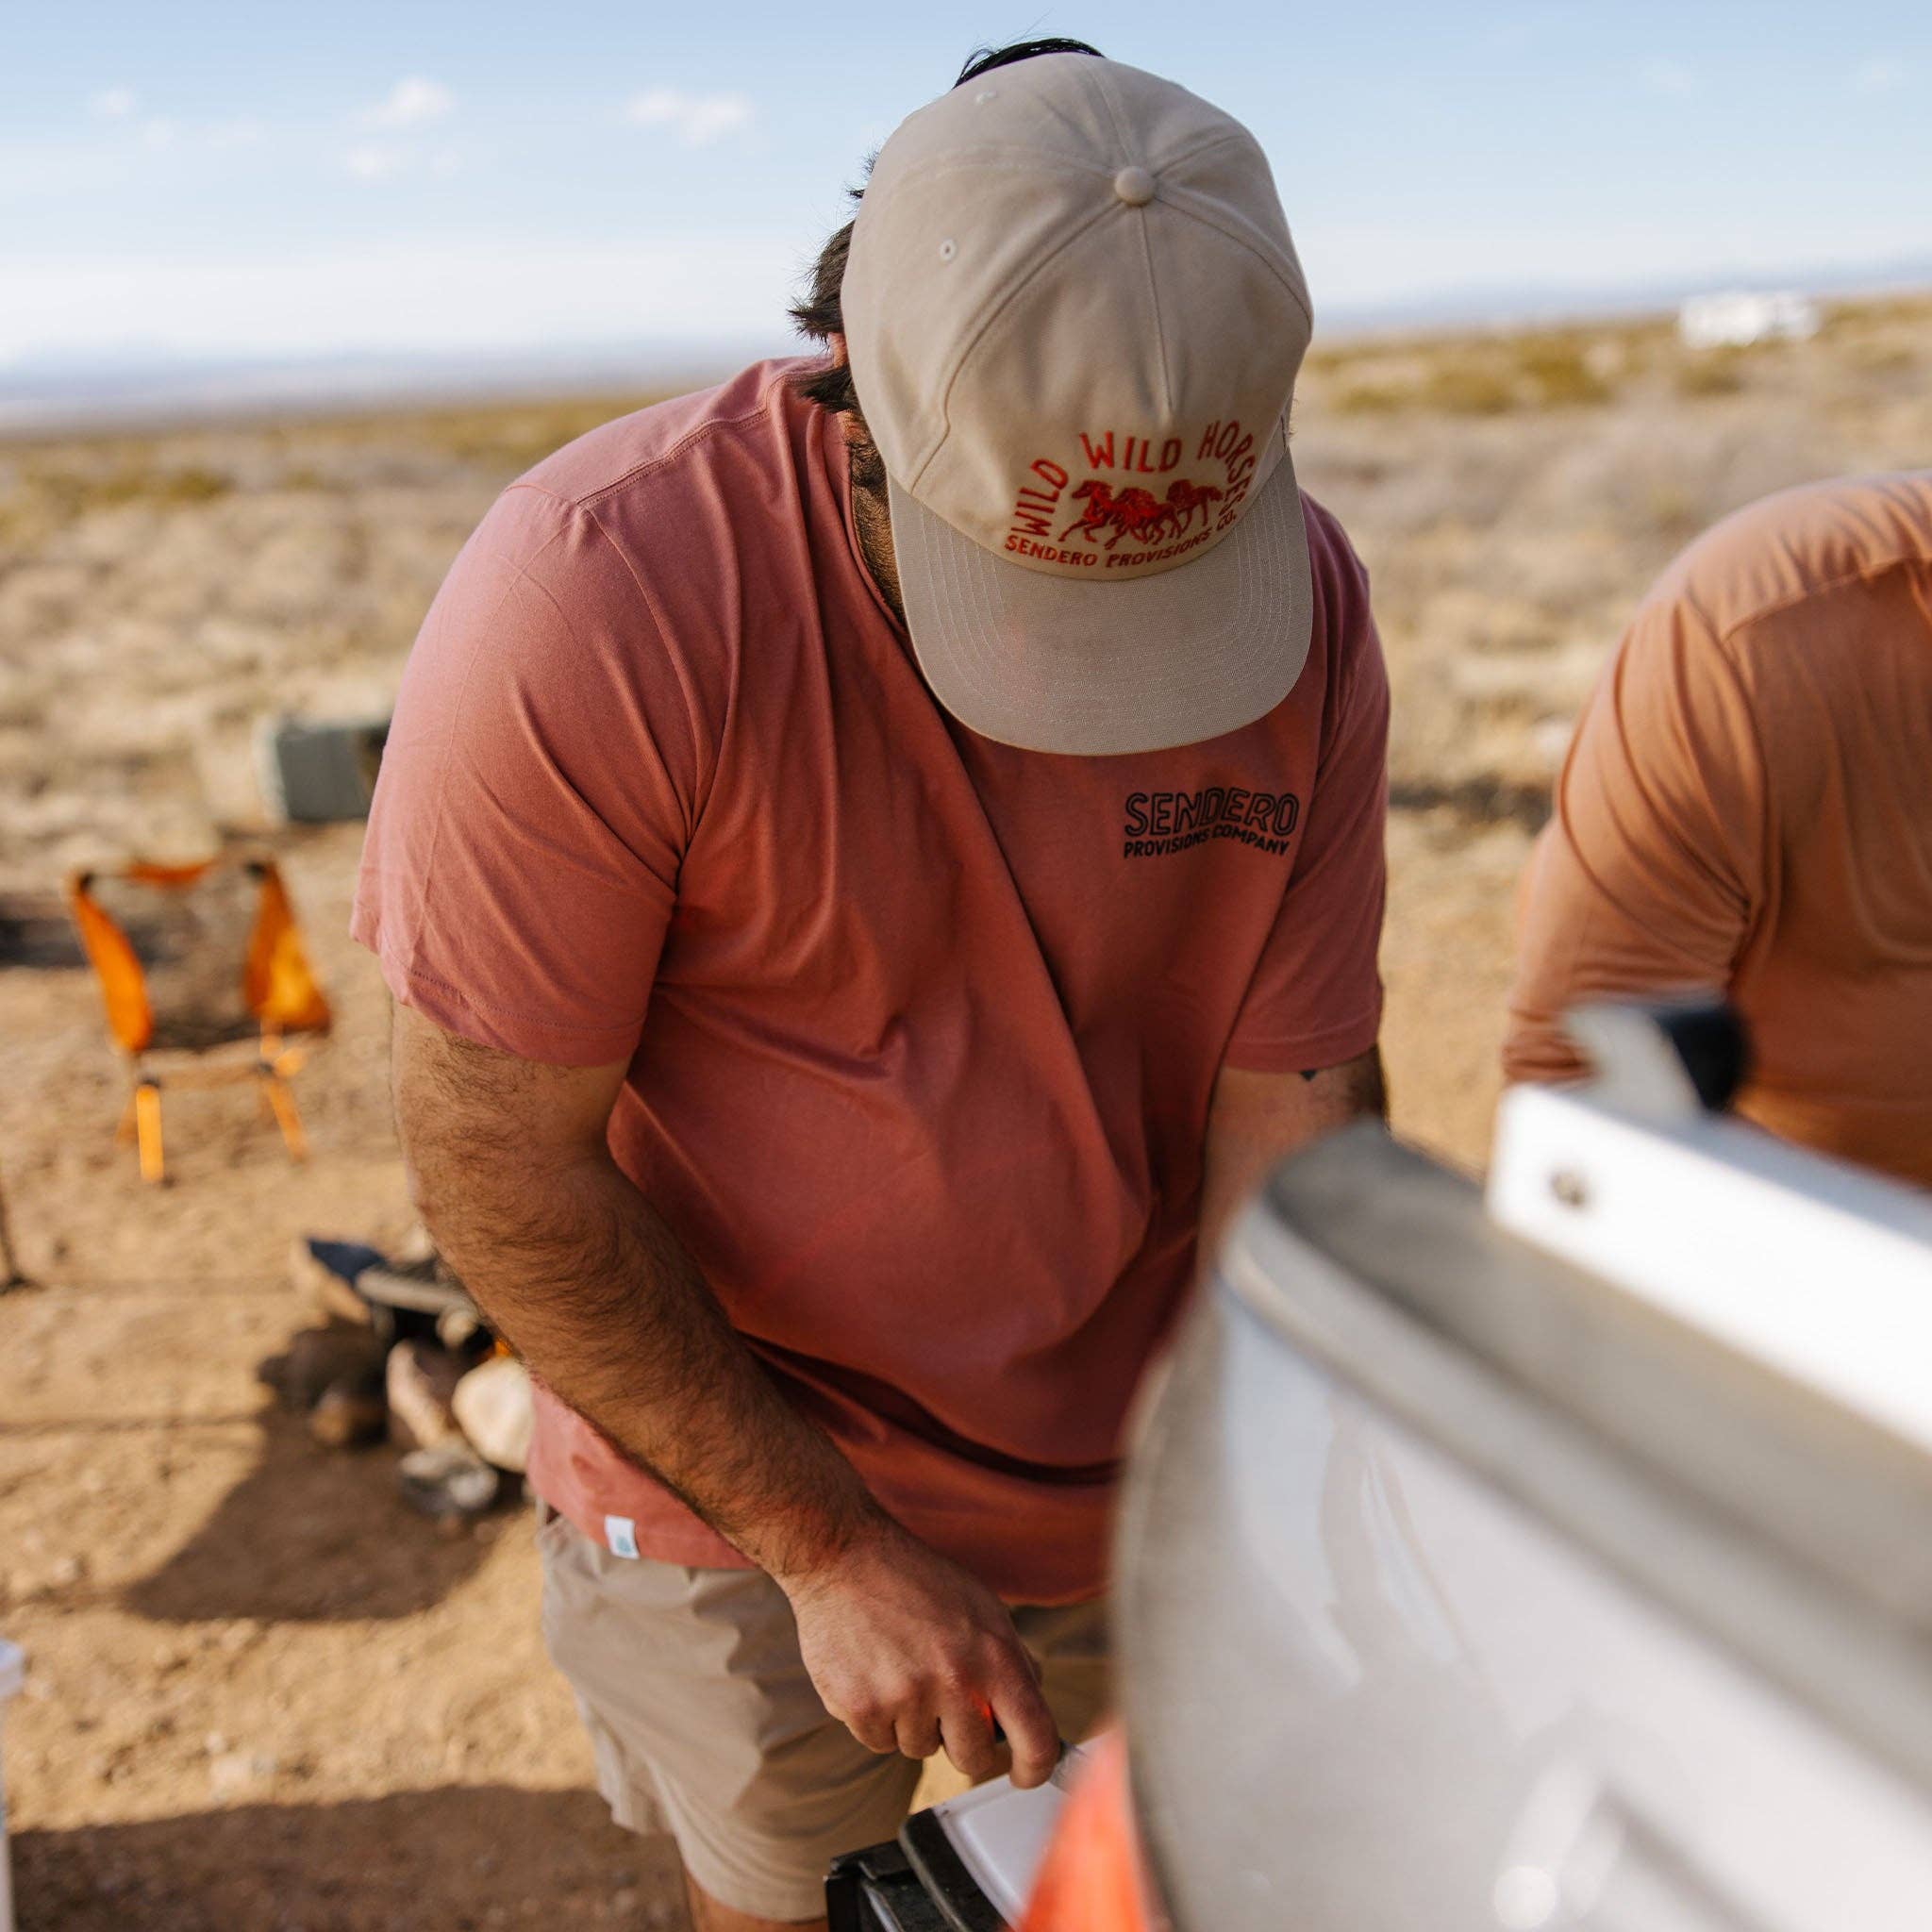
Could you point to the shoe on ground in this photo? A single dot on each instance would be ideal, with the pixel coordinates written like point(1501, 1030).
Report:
point(449, 1483)
point(493, 1406)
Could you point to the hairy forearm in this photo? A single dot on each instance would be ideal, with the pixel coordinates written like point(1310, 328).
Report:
point(591, 1287)
point(509, 1163)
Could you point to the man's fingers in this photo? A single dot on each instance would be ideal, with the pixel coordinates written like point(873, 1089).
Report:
point(872, 1725)
point(1030, 1732)
point(918, 1735)
point(968, 1731)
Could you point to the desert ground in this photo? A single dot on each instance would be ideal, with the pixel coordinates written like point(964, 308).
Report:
point(263, 1692)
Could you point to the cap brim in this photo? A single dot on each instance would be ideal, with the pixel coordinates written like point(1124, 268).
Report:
point(1092, 669)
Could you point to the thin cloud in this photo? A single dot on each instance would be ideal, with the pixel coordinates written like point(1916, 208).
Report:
point(384, 161)
point(1880, 75)
point(373, 162)
point(697, 119)
point(1671, 79)
point(163, 133)
point(413, 103)
point(224, 135)
point(414, 293)
point(410, 107)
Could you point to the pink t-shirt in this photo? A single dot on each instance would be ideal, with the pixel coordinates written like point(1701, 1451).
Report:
point(921, 1029)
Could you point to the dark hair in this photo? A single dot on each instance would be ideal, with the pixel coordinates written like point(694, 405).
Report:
point(819, 313)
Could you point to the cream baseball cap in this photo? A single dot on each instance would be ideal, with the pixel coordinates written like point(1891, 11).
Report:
point(1075, 318)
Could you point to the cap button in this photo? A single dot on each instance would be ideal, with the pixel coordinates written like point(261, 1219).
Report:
point(1135, 186)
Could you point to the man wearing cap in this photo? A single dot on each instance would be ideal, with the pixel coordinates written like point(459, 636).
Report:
point(874, 860)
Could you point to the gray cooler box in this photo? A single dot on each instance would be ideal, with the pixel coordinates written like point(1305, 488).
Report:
point(319, 772)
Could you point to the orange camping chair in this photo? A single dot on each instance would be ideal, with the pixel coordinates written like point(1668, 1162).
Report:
point(193, 961)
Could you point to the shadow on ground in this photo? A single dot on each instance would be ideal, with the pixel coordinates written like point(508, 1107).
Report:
point(458, 1858)
point(309, 1536)
point(1479, 801)
point(36, 931)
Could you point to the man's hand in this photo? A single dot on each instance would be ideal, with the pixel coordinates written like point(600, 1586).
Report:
point(911, 1654)
point(510, 1167)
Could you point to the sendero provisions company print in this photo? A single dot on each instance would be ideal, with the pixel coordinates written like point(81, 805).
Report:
point(1163, 821)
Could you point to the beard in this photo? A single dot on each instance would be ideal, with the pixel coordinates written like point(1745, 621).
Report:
point(868, 466)
point(871, 515)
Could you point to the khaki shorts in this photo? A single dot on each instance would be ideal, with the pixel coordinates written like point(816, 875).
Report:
point(704, 1724)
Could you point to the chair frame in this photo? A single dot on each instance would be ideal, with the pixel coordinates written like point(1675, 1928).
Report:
point(274, 1062)
point(272, 1070)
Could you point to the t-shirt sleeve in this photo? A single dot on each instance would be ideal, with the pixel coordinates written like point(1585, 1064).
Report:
point(1315, 999)
point(536, 794)
point(1645, 880)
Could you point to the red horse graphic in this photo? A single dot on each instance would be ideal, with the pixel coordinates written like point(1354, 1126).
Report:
point(1177, 512)
point(1136, 512)
point(1125, 514)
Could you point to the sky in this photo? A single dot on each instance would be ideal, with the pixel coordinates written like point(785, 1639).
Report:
point(484, 178)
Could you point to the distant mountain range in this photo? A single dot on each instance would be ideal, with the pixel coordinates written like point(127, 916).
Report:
point(52, 391)
point(43, 394)
point(1495, 306)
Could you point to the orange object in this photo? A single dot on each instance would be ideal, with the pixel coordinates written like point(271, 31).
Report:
point(276, 983)
point(192, 959)
point(1092, 1878)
